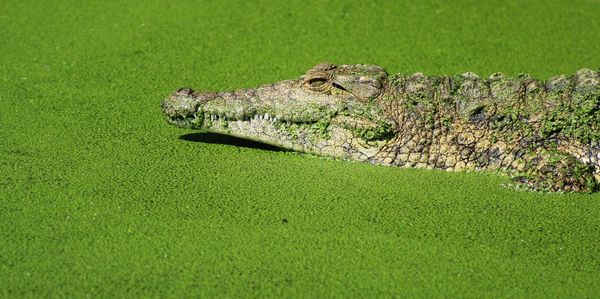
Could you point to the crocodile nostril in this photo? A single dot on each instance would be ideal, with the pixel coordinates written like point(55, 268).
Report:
point(185, 91)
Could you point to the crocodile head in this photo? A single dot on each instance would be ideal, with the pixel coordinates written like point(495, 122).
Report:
point(331, 110)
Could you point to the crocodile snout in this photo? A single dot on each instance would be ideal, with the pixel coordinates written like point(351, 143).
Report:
point(180, 104)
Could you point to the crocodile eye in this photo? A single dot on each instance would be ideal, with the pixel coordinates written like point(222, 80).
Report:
point(317, 82)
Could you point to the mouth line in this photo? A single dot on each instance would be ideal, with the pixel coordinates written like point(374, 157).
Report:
point(266, 117)
point(218, 122)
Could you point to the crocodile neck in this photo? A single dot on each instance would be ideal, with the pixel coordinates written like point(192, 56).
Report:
point(465, 122)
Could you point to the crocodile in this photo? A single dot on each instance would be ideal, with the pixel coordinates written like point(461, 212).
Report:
point(545, 135)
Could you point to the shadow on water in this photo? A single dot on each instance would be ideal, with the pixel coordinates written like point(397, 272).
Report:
point(230, 140)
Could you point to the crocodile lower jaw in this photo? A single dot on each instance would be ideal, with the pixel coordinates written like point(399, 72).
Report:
point(181, 122)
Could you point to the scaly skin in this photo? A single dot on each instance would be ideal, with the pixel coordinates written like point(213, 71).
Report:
point(546, 135)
